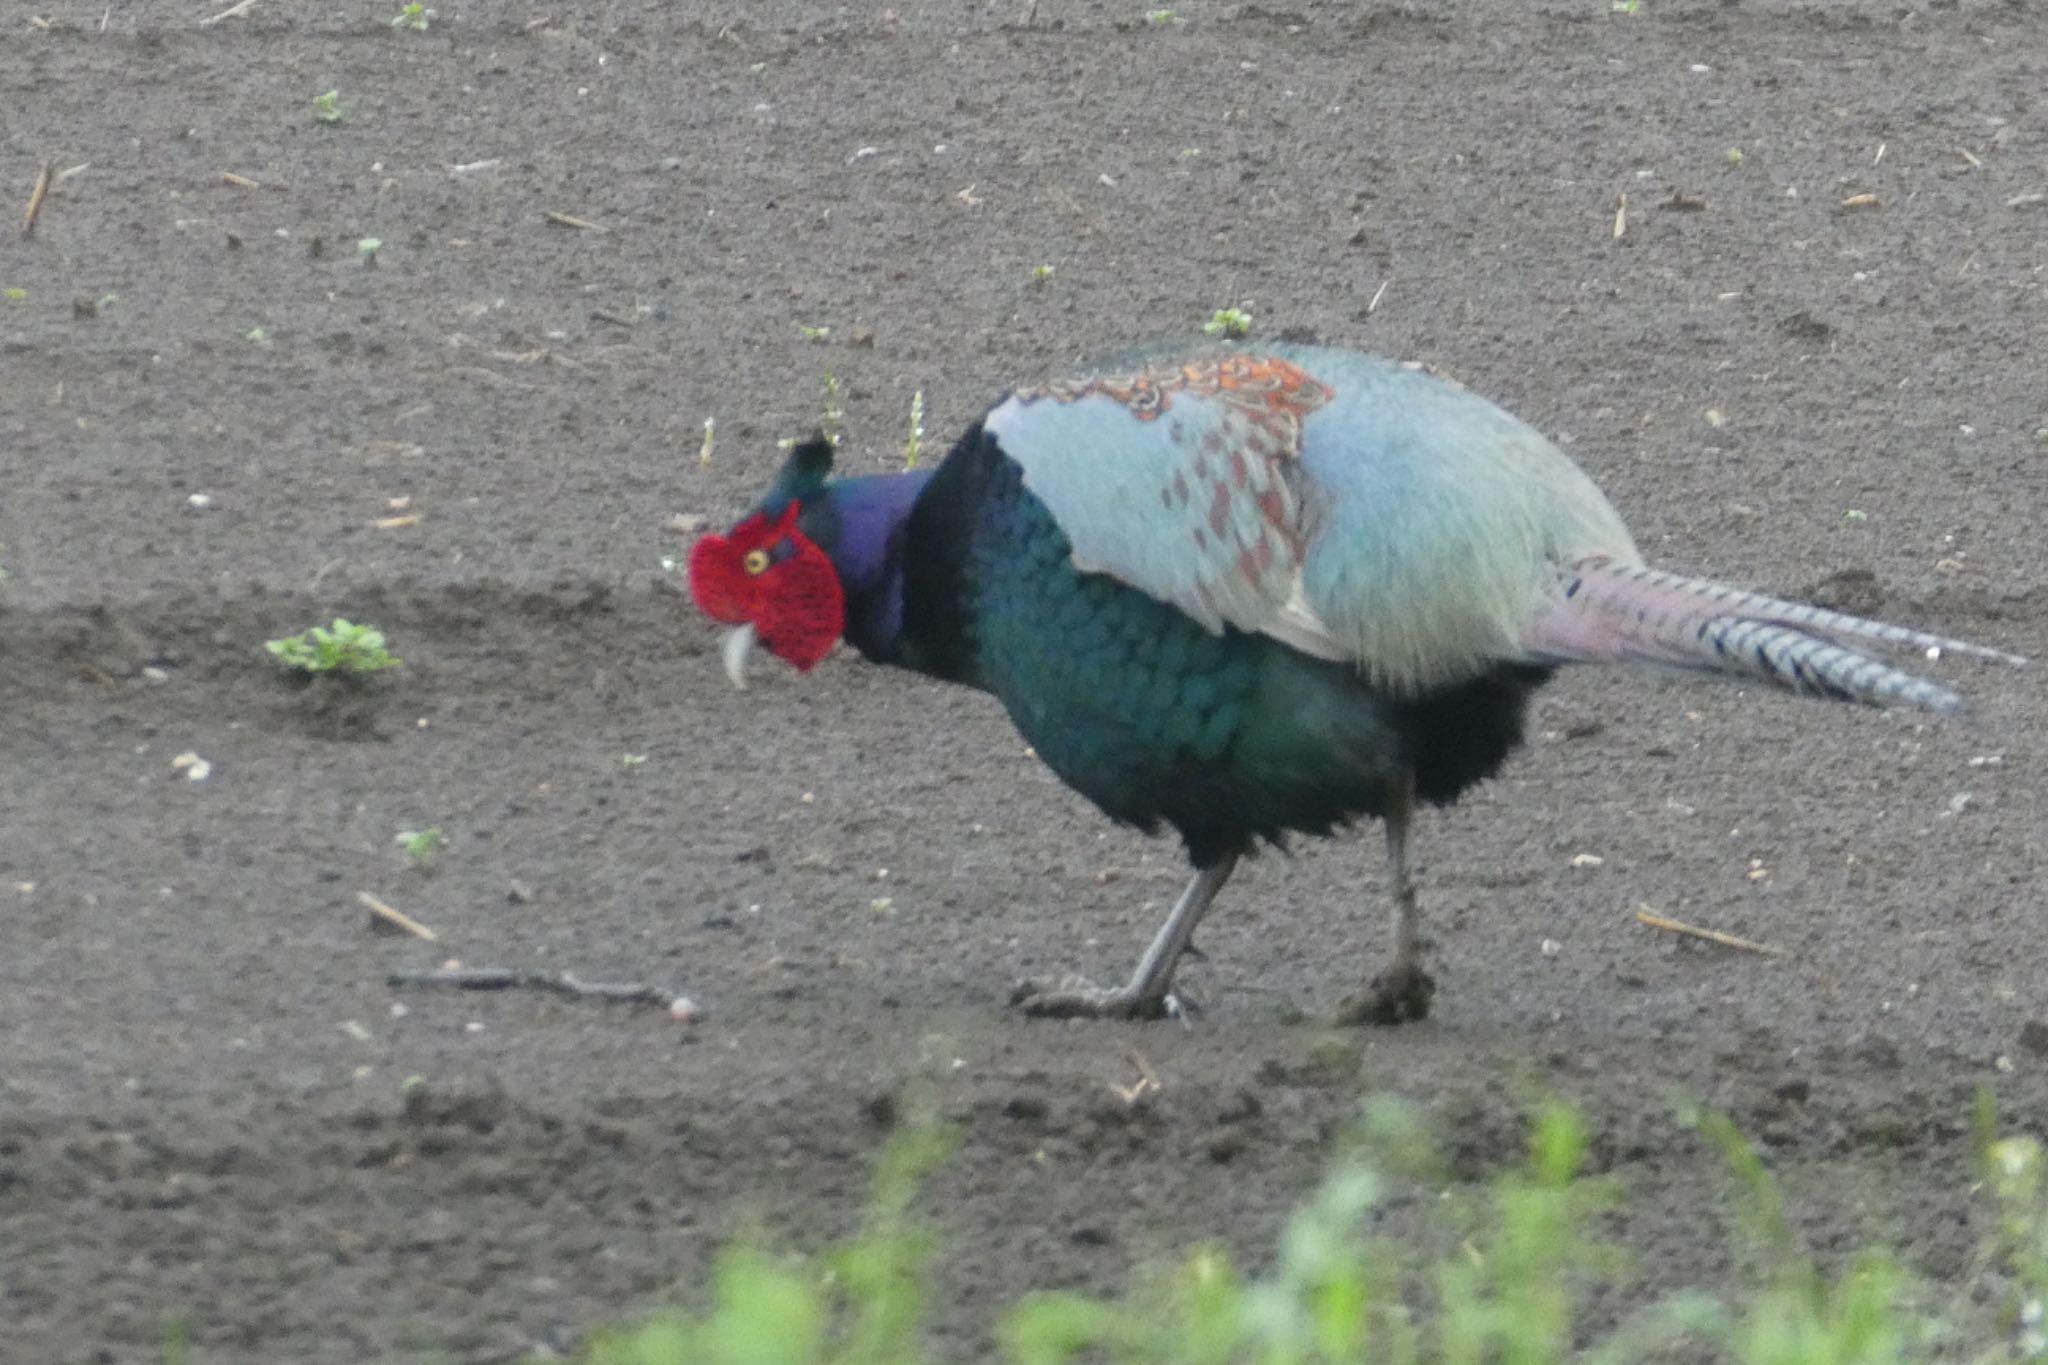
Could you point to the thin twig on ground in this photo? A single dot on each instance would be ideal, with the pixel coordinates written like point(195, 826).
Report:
point(561, 983)
point(46, 176)
point(242, 7)
point(392, 915)
point(1146, 1084)
point(1657, 921)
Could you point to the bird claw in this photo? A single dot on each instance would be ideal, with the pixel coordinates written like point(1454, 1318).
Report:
point(1075, 997)
point(1398, 995)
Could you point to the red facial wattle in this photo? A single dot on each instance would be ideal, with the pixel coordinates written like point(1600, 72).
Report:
point(769, 575)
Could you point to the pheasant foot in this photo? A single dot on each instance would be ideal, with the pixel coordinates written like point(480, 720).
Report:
point(1149, 992)
point(1076, 997)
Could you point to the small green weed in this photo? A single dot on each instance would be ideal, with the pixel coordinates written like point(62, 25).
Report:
point(1228, 322)
point(327, 108)
point(2015, 1171)
point(913, 445)
point(831, 422)
point(834, 422)
point(414, 17)
point(345, 648)
point(421, 845)
point(177, 1341)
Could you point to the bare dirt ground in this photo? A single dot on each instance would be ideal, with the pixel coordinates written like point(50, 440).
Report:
point(204, 1102)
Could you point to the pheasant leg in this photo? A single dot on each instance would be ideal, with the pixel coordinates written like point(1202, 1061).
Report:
point(1402, 990)
point(1149, 992)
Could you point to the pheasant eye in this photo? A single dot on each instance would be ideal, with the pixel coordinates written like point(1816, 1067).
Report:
point(756, 561)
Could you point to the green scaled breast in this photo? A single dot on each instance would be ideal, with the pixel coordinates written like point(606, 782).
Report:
point(1225, 734)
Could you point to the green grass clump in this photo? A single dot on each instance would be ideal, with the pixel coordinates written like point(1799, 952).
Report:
point(1523, 1257)
point(913, 444)
point(421, 845)
point(345, 648)
point(1499, 1273)
point(858, 1304)
point(1228, 323)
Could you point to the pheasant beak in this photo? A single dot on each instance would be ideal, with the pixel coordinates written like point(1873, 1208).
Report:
point(738, 645)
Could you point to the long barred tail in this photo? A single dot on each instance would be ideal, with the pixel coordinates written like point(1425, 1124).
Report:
point(1619, 613)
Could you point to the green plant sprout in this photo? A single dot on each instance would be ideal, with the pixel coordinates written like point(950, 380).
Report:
point(913, 446)
point(1627, 6)
point(1160, 18)
point(414, 17)
point(860, 1303)
point(345, 648)
point(327, 108)
point(368, 248)
point(2015, 1171)
point(15, 294)
point(1228, 322)
point(834, 421)
point(1042, 275)
point(831, 423)
point(704, 451)
point(1503, 1272)
point(421, 845)
point(632, 762)
point(814, 333)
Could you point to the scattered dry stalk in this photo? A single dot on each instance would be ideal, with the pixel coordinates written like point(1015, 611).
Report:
point(46, 176)
point(397, 917)
point(1657, 921)
point(239, 8)
point(678, 1007)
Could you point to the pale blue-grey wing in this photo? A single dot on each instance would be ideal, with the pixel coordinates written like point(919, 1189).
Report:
point(1444, 523)
point(1353, 508)
point(1182, 478)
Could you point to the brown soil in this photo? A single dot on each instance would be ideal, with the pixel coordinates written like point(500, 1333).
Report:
point(204, 1108)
